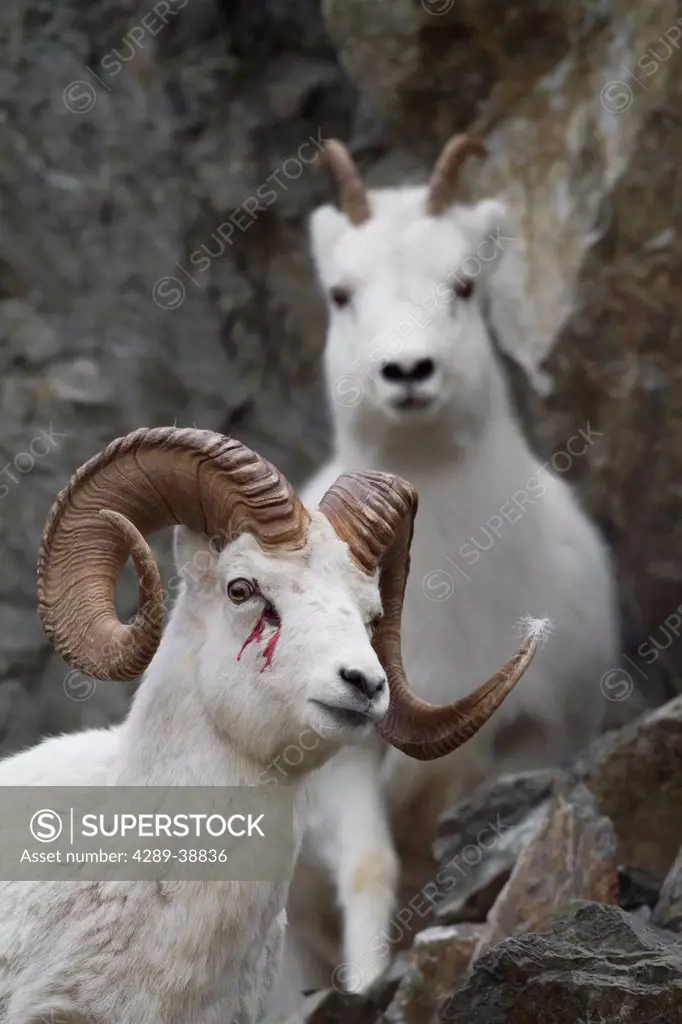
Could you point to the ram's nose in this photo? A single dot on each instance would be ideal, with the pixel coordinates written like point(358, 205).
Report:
point(367, 686)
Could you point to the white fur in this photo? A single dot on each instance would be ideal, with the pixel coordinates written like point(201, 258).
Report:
point(467, 458)
point(123, 953)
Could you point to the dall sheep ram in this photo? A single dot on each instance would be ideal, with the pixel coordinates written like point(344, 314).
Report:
point(415, 388)
point(293, 626)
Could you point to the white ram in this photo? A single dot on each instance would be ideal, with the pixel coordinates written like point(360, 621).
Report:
point(280, 636)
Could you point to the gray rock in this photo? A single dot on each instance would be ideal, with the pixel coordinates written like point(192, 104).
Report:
point(596, 963)
point(636, 776)
point(572, 856)
point(508, 811)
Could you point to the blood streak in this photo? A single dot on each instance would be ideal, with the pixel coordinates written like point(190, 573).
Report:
point(256, 635)
point(270, 648)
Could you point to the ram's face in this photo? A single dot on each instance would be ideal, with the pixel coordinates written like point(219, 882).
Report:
point(406, 332)
point(286, 645)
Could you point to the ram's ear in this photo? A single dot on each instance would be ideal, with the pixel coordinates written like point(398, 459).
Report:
point(195, 556)
point(326, 225)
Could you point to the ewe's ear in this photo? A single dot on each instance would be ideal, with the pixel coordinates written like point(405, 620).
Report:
point(194, 555)
point(326, 225)
point(488, 226)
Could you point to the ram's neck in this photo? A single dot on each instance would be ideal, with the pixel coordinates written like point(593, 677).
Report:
point(169, 739)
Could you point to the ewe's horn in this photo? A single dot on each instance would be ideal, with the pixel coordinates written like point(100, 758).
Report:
point(141, 483)
point(443, 180)
point(374, 513)
point(352, 193)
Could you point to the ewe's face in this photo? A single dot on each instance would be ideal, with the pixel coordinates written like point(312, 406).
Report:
point(285, 646)
point(406, 335)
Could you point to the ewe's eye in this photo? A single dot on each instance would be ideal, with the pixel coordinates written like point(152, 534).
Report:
point(339, 296)
point(240, 590)
point(463, 289)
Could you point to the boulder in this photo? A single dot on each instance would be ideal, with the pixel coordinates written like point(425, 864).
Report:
point(437, 963)
point(594, 964)
point(636, 776)
point(480, 838)
point(571, 856)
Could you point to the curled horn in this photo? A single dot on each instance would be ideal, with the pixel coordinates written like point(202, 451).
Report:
point(352, 193)
point(141, 483)
point(443, 180)
point(374, 513)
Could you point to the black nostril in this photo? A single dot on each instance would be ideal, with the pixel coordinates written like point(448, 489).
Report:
point(359, 681)
point(423, 369)
point(392, 371)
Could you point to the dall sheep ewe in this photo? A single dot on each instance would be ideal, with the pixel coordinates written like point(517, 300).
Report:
point(415, 388)
point(292, 627)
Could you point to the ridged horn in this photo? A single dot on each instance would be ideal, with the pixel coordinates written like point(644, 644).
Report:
point(374, 513)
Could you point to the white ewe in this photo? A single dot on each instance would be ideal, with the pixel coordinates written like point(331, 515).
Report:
point(416, 389)
point(271, 641)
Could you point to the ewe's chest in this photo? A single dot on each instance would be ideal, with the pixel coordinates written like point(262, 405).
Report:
point(479, 563)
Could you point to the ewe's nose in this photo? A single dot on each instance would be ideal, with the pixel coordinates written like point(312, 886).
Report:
point(408, 373)
point(368, 687)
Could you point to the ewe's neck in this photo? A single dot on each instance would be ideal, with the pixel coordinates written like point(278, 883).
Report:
point(169, 739)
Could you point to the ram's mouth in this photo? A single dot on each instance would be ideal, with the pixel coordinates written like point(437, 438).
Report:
point(348, 716)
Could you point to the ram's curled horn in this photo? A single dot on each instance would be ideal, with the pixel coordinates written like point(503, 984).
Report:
point(352, 192)
point(140, 483)
point(374, 513)
point(442, 188)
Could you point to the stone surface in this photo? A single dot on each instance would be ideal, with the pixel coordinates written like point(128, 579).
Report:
point(668, 911)
point(636, 776)
point(436, 964)
point(571, 856)
point(596, 964)
point(495, 822)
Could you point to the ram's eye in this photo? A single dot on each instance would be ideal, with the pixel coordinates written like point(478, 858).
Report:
point(339, 296)
point(240, 590)
point(463, 289)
